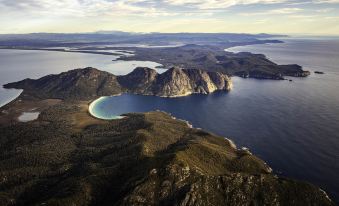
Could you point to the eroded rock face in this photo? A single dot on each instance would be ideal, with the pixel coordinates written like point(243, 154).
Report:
point(139, 80)
point(174, 82)
point(89, 83)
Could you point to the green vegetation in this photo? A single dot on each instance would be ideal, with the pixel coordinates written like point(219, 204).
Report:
point(144, 159)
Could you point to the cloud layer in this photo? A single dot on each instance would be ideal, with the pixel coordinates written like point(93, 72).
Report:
point(164, 15)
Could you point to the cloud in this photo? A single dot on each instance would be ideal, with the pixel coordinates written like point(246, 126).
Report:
point(218, 4)
point(274, 11)
point(81, 8)
point(122, 8)
point(327, 1)
point(163, 15)
point(326, 10)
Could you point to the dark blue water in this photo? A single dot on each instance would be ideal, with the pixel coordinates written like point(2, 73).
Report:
point(293, 126)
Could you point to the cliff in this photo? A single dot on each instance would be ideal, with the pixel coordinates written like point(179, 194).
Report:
point(89, 83)
point(174, 82)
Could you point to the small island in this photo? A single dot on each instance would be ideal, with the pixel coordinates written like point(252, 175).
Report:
point(318, 72)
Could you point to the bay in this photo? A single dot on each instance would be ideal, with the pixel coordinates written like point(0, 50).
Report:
point(293, 126)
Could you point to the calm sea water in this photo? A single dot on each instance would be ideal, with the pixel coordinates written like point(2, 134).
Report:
point(16, 65)
point(293, 126)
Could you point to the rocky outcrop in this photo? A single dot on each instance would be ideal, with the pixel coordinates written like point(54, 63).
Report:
point(293, 70)
point(140, 80)
point(174, 82)
point(88, 83)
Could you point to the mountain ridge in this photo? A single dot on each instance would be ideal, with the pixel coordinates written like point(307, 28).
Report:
point(89, 83)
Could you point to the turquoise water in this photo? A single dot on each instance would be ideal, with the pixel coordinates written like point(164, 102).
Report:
point(293, 126)
point(99, 112)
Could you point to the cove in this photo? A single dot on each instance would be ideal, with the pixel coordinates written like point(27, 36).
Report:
point(96, 109)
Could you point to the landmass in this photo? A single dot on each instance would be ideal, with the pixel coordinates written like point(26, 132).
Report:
point(202, 57)
point(87, 83)
point(215, 58)
point(98, 39)
point(186, 50)
point(319, 72)
point(67, 157)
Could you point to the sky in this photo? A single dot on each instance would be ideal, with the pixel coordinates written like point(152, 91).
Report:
point(239, 16)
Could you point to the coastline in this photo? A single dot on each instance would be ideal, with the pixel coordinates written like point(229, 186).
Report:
point(92, 105)
point(64, 50)
point(7, 101)
point(119, 55)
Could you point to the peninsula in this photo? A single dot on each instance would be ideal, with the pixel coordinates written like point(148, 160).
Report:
point(67, 157)
point(215, 58)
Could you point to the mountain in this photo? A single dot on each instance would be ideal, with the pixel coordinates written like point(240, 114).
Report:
point(174, 82)
point(74, 84)
point(89, 83)
point(143, 159)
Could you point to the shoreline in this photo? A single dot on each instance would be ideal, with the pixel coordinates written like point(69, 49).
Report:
point(92, 105)
point(119, 55)
point(67, 51)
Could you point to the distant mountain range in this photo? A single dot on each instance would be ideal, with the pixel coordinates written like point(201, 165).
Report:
point(118, 37)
